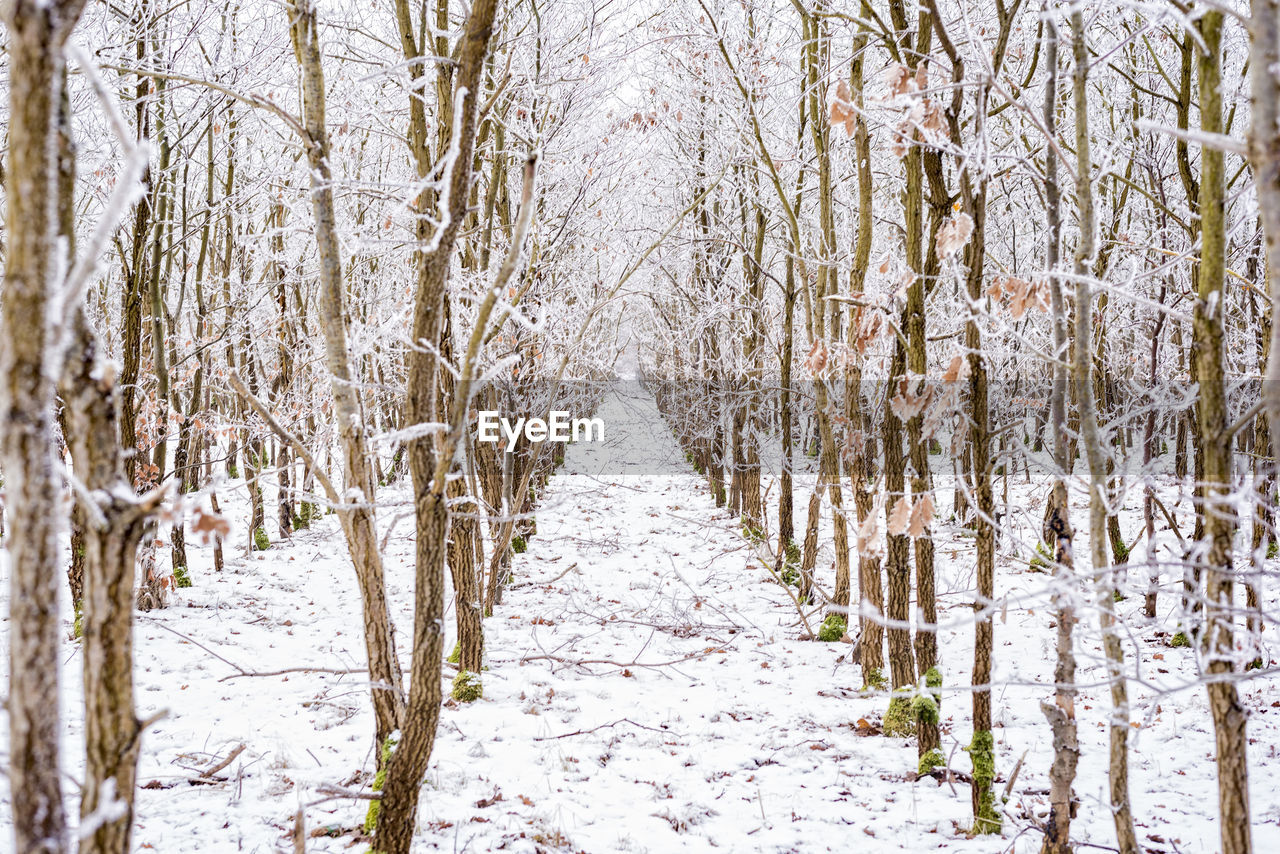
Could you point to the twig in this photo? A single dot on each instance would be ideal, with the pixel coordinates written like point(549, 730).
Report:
point(1220, 141)
point(231, 757)
point(339, 671)
point(611, 663)
point(192, 640)
point(240, 671)
point(1173, 526)
point(568, 570)
point(340, 792)
point(298, 448)
point(1013, 778)
point(595, 728)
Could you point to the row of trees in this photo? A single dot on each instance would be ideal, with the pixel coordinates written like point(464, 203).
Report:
point(1025, 233)
point(253, 248)
point(241, 317)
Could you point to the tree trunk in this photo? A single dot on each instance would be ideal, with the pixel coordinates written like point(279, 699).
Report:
point(356, 512)
point(1061, 714)
point(1089, 434)
point(861, 442)
point(786, 494)
point(112, 732)
point(1218, 644)
point(1264, 157)
point(37, 32)
point(408, 760)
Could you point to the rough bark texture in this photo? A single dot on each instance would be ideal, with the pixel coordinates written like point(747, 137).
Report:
point(862, 471)
point(37, 32)
point(1061, 713)
point(1264, 157)
point(1229, 717)
point(1090, 438)
point(356, 514)
point(827, 284)
point(116, 524)
point(408, 762)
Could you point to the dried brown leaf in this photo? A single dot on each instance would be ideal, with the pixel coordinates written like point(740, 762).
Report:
point(817, 358)
point(208, 526)
point(921, 516)
point(906, 404)
point(900, 517)
point(842, 112)
point(956, 371)
point(898, 78)
point(954, 234)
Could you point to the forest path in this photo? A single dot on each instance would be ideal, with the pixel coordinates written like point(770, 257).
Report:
point(647, 691)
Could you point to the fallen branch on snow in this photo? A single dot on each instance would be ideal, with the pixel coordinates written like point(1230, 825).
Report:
point(231, 757)
point(596, 728)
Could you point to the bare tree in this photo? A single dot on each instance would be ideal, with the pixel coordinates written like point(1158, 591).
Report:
point(30, 360)
point(1092, 442)
point(1229, 717)
point(356, 511)
point(1061, 713)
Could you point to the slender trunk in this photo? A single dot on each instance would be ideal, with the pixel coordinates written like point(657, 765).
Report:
point(1264, 157)
point(862, 470)
point(1218, 644)
point(408, 761)
point(37, 31)
point(357, 511)
point(112, 732)
point(1061, 713)
point(1149, 453)
point(1090, 438)
point(1264, 511)
point(131, 294)
point(786, 494)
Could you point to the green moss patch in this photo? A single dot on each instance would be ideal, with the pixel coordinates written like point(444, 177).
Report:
point(379, 780)
point(898, 719)
point(833, 628)
point(932, 759)
point(873, 679)
point(982, 754)
point(466, 687)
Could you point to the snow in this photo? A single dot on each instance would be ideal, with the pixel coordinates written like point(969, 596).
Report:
point(110, 809)
point(647, 690)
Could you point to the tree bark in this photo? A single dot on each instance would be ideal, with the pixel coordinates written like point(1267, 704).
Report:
point(38, 30)
point(117, 524)
point(408, 761)
point(1061, 714)
point(1089, 434)
point(1218, 644)
point(356, 511)
point(862, 467)
point(1264, 157)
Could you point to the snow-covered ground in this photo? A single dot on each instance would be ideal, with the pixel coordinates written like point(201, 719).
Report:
point(647, 690)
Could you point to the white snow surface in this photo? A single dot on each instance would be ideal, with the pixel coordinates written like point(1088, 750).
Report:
point(589, 737)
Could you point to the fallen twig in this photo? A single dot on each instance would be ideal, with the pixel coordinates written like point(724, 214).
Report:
point(340, 792)
point(595, 728)
point(611, 663)
point(337, 670)
point(568, 570)
point(209, 772)
point(1013, 778)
